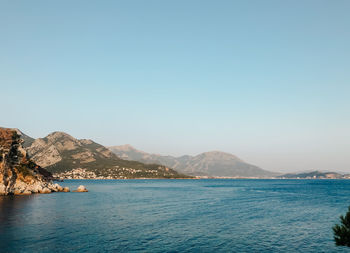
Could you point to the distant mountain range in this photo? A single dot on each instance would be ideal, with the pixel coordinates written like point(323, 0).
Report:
point(315, 175)
point(61, 153)
point(212, 164)
point(68, 157)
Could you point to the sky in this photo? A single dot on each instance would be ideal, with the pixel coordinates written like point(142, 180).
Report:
point(268, 81)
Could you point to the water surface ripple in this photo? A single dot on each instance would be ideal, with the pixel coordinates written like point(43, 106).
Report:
point(220, 215)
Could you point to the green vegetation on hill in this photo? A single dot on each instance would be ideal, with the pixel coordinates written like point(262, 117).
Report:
point(214, 164)
point(113, 166)
point(60, 153)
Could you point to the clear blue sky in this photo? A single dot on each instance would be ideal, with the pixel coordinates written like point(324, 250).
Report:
point(266, 80)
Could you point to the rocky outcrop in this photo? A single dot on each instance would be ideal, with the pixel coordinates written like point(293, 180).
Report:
point(18, 174)
point(81, 188)
point(59, 147)
point(66, 189)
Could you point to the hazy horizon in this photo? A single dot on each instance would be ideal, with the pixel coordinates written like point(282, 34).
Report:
point(282, 169)
point(267, 81)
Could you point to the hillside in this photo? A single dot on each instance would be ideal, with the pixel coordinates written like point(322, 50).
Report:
point(214, 164)
point(68, 157)
point(27, 140)
point(314, 175)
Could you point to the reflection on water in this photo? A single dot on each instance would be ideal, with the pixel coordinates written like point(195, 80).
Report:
point(177, 215)
point(12, 212)
point(12, 204)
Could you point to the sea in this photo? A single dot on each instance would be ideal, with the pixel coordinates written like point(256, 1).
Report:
point(207, 215)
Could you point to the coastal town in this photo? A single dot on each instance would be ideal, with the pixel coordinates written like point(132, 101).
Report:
point(112, 173)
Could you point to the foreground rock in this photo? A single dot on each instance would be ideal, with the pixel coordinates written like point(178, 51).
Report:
point(18, 174)
point(66, 189)
point(81, 188)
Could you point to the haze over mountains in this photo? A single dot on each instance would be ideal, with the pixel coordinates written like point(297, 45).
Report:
point(316, 175)
point(60, 153)
point(214, 163)
point(68, 157)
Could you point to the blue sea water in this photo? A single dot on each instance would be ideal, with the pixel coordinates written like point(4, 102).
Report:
point(214, 215)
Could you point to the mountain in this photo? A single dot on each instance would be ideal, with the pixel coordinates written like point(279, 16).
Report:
point(27, 140)
point(213, 164)
point(18, 174)
point(68, 157)
point(314, 175)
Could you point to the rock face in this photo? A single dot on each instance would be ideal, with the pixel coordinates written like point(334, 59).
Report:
point(59, 147)
point(81, 188)
point(71, 158)
point(66, 189)
point(215, 163)
point(18, 174)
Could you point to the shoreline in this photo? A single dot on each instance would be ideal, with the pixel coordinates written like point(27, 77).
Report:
point(211, 178)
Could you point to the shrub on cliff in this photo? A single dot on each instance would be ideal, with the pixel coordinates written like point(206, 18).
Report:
point(342, 231)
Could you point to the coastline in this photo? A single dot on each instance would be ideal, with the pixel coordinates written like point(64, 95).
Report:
point(209, 178)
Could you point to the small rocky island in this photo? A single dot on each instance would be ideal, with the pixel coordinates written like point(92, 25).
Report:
point(18, 174)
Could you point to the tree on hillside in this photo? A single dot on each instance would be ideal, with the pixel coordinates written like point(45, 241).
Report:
point(342, 231)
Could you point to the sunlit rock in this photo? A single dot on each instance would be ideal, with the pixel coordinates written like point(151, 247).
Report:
point(18, 174)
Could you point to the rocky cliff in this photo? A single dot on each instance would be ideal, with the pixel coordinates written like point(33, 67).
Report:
point(71, 158)
point(18, 174)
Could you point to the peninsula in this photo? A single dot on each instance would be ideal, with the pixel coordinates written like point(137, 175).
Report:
point(18, 174)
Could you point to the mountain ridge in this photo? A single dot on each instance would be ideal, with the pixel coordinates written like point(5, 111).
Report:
point(315, 174)
point(68, 157)
point(212, 163)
